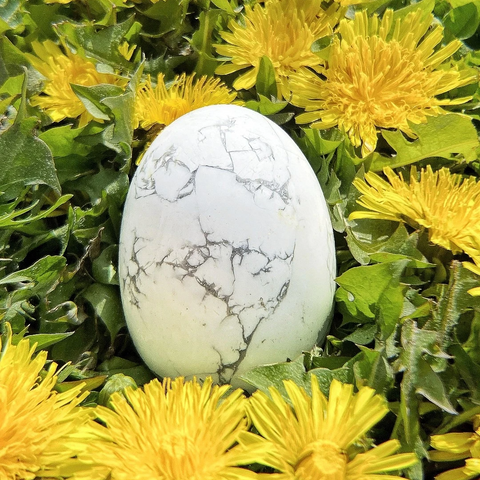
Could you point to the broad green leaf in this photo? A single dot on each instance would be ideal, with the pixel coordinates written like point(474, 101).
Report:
point(44, 17)
point(224, 5)
point(273, 375)
point(426, 6)
point(140, 373)
point(265, 106)
point(266, 83)
point(105, 300)
point(102, 45)
point(45, 340)
point(11, 12)
point(363, 288)
point(172, 16)
point(462, 22)
point(62, 141)
point(472, 344)
point(369, 240)
point(26, 160)
point(104, 267)
point(312, 142)
point(92, 98)
point(449, 136)
point(79, 345)
point(468, 370)
point(431, 386)
point(107, 182)
point(373, 369)
point(362, 335)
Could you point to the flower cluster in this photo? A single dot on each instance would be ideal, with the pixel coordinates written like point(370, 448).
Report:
point(376, 73)
point(184, 430)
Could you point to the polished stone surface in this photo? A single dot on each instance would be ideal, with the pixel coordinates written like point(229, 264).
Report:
point(227, 258)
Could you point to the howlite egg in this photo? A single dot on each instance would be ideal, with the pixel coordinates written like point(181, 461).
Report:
point(227, 258)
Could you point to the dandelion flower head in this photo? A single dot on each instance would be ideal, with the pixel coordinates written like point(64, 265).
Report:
point(160, 105)
point(380, 74)
point(178, 430)
point(458, 446)
point(283, 31)
point(36, 422)
point(61, 70)
point(314, 438)
point(447, 204)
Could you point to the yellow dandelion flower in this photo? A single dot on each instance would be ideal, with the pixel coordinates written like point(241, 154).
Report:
point(161, 105)
point(37, 424)
point(448, 205)
point(283, 31)
point(58, 100)
point(316, 438)
point(380, 74)
point(458, 446)
point(171, 431)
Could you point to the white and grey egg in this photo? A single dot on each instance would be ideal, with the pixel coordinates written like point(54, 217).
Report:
point(227, 257)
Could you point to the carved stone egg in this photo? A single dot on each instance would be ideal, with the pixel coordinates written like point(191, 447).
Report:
point(227, 258)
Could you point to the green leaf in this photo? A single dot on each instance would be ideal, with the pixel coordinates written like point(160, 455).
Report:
point(373, 291)
point(172, 16)
point(462, 22)
point(104, 267)
point(45, 340)
point(468, 370)
point(40, 277)
point(101, 45)
point(202, 42)
point(418, 378)
point(265, 106)
point(10, 218)
point(362, 335)
point(12, 60)
point(273, 376)
point(266, 83)
point(453, 300)
point(431, 386)
point(140, 373)
point(369, 240)
point(426, 6)
point(62, 141)
point(107, 182)
point(449, 136)
point(105, 300)
point(224, 5)
point(11, 12)
point(92, 98)
point(26, 160)
point(373, 369)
